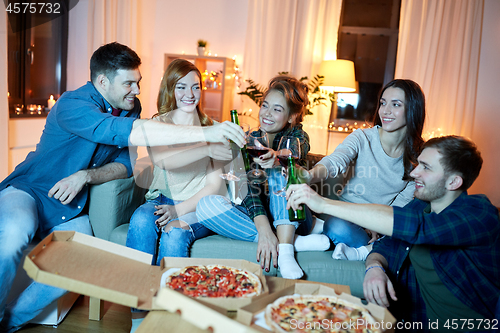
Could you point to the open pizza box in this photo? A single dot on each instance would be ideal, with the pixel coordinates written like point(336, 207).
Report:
point(94, 267)
point(252, 315)
point(206, 317)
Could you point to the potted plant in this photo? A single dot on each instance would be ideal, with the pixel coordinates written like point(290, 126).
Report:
point(201, 47)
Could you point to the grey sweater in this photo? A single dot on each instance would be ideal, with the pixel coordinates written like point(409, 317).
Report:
point(371, 175)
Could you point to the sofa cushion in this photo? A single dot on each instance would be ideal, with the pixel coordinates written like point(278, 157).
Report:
point(220, 247)
point(317, 266)
point(321, 267)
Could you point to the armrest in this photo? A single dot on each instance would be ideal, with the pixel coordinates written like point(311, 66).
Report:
point(112, 204)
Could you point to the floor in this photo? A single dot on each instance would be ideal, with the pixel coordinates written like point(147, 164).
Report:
point(116, 320)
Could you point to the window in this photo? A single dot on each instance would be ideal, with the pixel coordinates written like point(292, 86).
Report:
point(368, 36)
point(37, 48)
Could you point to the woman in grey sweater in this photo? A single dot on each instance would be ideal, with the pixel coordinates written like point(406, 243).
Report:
point(376, 163)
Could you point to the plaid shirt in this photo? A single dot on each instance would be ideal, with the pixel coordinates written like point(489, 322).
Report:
point(256, 192)
point(466, 253)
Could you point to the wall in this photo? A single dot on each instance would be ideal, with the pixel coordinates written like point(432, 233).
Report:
point(486, 131)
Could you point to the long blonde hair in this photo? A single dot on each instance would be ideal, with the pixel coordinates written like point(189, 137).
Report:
point(175, 71)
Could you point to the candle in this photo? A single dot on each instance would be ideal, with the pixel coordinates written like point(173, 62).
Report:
point(51, 101)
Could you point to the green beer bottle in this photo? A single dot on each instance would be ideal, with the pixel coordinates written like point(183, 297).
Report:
point(294, 215)
point(244, 153)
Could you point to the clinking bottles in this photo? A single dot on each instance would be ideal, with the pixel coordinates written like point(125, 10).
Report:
point(294, 215)
point(244, 153)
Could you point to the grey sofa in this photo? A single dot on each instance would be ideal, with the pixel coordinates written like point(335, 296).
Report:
point(112, 204)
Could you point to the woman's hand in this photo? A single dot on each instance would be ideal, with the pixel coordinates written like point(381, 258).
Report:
point(267, 250)
point(373, 235)
point(303, 194)
point(267, 160)
point(167, 212)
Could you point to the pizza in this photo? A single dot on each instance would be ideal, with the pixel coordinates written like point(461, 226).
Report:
point(325, 314)
point(214, 281)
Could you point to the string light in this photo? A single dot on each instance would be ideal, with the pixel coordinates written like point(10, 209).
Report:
point(346, 128)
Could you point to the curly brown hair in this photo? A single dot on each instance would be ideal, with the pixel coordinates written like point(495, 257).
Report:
point(295, 93)
point(175, 71)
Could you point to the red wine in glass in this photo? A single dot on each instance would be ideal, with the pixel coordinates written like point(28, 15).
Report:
point(283, 159)
point(257, 151)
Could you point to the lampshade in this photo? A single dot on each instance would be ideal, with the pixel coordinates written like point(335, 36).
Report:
point(339, 74)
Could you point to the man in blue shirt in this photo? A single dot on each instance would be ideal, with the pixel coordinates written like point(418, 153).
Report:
point(440, 268)
point(89, 138)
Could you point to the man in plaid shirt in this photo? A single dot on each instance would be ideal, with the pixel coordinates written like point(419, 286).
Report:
point(440, 267)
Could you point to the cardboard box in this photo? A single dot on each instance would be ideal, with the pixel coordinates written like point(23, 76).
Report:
point(247, 314)
point(52, 314)
point(94, 267)
point(231, 304)
point(206, 317)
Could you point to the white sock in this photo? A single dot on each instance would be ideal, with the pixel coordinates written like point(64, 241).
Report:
point(312, 243)
point(318, 225)
point(135, 324)
point(289, 268)
point(344, 252)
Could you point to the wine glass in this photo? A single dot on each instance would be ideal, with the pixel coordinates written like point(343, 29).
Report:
point(288, 148)
point(235, 150)
point(257, 145)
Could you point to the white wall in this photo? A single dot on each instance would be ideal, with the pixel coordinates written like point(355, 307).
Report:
point(486, 132)
point(173, 26)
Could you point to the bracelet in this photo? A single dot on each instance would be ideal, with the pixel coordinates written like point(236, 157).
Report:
point(382, 268)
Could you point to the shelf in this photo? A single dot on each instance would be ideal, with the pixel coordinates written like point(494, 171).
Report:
point(216, 103)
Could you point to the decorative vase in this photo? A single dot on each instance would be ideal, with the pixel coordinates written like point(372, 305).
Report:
point(201, 51)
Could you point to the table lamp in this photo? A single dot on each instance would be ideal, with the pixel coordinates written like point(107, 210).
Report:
point(339, 77)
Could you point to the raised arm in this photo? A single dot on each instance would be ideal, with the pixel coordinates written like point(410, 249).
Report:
point(378, 218)
point(169, 158)
point(153, 133)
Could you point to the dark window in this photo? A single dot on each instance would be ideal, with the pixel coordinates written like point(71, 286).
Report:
point(37, 51)
point(368, 36)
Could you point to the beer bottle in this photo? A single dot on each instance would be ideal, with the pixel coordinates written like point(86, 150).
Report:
point(244, 153)
point(294, 215)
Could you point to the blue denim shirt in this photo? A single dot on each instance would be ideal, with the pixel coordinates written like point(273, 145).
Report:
point(80, 133)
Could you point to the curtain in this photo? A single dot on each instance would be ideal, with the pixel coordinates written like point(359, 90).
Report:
point(112, 20)
point(439, 44)
point(292, 36)
point(94, 23)
point(289, 35)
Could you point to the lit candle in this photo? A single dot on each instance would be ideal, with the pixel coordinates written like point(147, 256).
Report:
point(51, 101)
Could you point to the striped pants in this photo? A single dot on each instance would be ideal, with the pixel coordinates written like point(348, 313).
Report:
point(225, 218)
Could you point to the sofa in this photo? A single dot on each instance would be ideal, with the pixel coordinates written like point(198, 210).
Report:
point(112, 204)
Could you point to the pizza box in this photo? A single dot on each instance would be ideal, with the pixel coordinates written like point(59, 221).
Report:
point(202, 316)
point(231, 304)
point(94, 267)
point(190, 315)
point(251, 314)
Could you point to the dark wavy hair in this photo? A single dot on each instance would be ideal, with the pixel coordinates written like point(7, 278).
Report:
point(175, 71)
point(459, 155)
point(415, 118)
point(295, 93)
point(111, 57)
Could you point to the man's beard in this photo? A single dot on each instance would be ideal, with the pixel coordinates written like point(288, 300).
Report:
point(432, 192)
